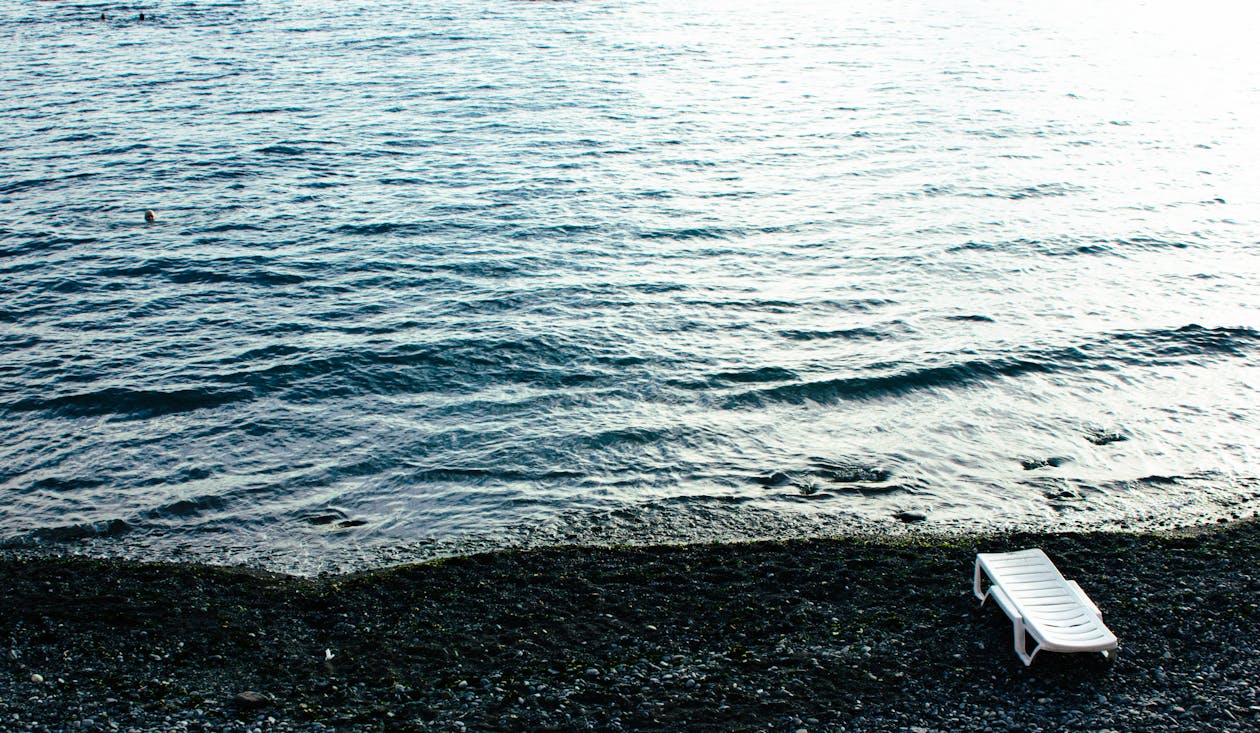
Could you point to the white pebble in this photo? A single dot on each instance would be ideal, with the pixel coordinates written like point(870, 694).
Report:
point(37, 678)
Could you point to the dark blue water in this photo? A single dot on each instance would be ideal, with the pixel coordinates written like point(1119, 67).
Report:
point(439, 276)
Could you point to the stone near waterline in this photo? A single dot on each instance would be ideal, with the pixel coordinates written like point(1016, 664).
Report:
point(909, 517)
point(776, 478)
point(1104, 438)
point(1032, 464)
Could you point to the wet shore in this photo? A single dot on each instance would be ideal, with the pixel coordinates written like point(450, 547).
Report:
point(856, 633)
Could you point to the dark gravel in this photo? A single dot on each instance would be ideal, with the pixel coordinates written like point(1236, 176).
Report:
point(861, 634)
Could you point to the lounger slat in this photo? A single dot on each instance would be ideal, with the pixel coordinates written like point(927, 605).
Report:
point(1045, 602)
point(1039, 577)
point(1031, 585)
point(1068, 619)
point(1063, 616)
point(1038, 593)
point(1079, 628)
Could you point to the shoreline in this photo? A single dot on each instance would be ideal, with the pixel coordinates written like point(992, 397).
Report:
point(322, 554)
point(850, 633)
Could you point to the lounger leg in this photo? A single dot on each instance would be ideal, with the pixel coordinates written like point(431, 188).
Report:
point(975, 585)
point(1021, 639)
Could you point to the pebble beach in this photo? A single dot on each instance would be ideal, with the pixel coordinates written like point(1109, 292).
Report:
point(861, 633)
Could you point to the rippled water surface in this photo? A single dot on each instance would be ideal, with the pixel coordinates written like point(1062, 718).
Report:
point(432, 276)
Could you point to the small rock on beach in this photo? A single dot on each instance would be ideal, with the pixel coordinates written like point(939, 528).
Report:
point(250, 699)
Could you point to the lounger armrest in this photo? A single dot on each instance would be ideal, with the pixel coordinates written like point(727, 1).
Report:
point(1080, 594)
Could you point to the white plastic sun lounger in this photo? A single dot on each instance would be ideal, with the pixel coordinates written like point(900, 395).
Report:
point(1055, 612)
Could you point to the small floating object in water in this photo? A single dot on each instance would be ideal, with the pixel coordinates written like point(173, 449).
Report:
point(149, 215)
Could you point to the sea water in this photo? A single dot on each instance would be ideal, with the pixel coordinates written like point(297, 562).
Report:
point(436, 276)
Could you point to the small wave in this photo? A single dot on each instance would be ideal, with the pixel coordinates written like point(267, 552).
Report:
point(232, 227)
point(376, 229)
point(256, 277)
point(555, 230)
point(247, 270)
point(1157, 346)
point(281, 150)
point(78, 137)
point(15, 342)
point(849, 305)
point(76, 532)
point(1070, 246)
point(496, 474)
point(689, 233)
point(122, 149)
point(66, 485)
point(654, 288)
point(38, 242)
point(225, 173)
point(131, 402)
point(188, 508)
point(633, 436)
point(762, 374)
point(1160, 347)
point(452, 366)
point(832, 475)
point(263, 111)
point(1040, 190)
point(29, 183)
point(1148, 243)
point(829, 391)
point(848, 334)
